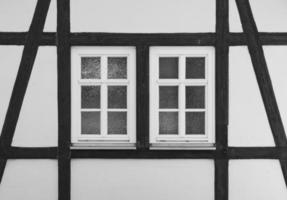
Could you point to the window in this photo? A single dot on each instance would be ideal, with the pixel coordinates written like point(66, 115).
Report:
point(182, 97)
point(181, 81)
point(103, 97)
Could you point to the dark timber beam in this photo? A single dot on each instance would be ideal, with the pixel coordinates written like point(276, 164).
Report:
point(261, 72)
point(256, 152)
point(134, 39)
point(232, 153)
point(221, 100)
point(25, 69)
point(263, 77)
point(142, 97)
point(144, 154)
point(32, 153)
point(64, 99)
point(283, 163)
point(237, 39)
point(3, 162)
point(150, 39)
point(19, 38)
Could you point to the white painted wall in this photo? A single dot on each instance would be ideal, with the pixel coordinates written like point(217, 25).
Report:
point(38, 121)
point(30, 179)
point(153, 179)
point(16, 15)
point(256, 179)
point(9, 64)
point(248, 123)
point(234, 19)
point(143, 16)
point(142, 179)
point(270, 15)
point(277, 61)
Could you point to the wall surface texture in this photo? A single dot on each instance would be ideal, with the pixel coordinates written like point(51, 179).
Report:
point(107, 179)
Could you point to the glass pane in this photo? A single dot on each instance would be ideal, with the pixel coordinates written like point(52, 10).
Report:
point(168, 96)
point(91, 96)
point(195, 67)
point(117, 96)
point(91, 67)
point(168, 67)
point(91, 123)
point(168, 123)
point(117, 123)
point(195, 123)
point(117, 67)
point(195, 97)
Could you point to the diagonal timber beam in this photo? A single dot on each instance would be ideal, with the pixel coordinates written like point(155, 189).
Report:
point(23, 76)
point(261, 72)
point(263, 77)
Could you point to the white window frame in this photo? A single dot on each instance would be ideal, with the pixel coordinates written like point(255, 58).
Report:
point(103, 141)
point(182, 141)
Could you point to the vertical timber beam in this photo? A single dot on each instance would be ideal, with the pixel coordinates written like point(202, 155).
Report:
point(263, 78)
point(64, 99)
point(23, 76)
point(142, 57)
point(221, 60)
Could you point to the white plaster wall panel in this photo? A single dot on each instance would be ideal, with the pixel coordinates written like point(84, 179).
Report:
point(143, 16)
point(38, 122)
point(16, 15)
point(30, 179)
point(256, 179)
point(277, 65)
point(234, 18)
point(51, 19)
point(248, 123)
point(9, 65)
point(270, 15)
point(142, 179)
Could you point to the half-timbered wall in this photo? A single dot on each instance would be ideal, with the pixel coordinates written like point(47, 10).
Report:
point(250, 160)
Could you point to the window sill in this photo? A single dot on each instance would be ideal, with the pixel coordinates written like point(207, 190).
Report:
point(182, 146)
point(84, 146)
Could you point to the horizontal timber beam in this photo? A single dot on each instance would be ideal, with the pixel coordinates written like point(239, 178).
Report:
point(133, 39)
point(237, 39)
point(232, 153)
point(19, 38)
point(160, 39)
point(32, 153)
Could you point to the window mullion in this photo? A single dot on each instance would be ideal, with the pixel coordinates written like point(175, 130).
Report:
point(181, 97)
point(104, 97)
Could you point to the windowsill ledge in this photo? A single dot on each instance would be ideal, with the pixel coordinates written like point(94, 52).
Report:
point(132, 146)
point(85, 146)
point(182, 146)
